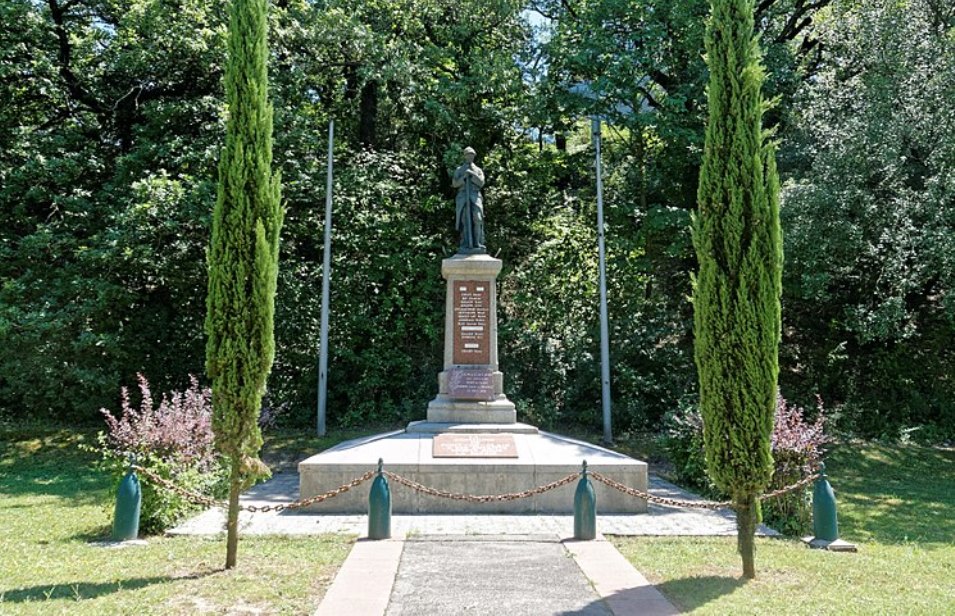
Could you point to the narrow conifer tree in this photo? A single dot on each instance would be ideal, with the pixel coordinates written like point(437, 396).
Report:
point(243, 257)
point(737, 289)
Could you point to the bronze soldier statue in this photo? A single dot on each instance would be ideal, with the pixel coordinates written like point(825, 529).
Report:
point(469, 205)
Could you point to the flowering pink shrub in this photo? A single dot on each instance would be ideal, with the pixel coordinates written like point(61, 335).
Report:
point(178, 431)
point(792, 434)
point(173, 440)
point(797, 449)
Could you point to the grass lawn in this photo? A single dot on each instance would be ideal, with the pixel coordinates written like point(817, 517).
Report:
point(54, 505)
point(897, 503)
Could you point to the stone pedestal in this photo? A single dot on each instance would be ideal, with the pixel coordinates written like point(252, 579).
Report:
point(471, 387)
point(471, 442)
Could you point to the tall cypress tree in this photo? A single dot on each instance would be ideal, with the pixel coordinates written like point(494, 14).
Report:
point(243, 257)
point(739, 247)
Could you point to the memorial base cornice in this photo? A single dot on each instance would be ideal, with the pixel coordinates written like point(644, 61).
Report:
point(444, 409)
point(434, 427)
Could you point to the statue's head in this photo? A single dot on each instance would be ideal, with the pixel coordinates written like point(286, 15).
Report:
point(469, 154)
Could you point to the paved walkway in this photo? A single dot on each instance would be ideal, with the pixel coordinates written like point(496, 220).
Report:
point(438, 565)
point(517, 575)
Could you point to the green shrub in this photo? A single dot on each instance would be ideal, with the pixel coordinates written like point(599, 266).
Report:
point(173, 440)
point(796, 448)
point(683, 442)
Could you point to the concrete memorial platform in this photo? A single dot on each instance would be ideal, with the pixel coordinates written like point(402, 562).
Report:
point(541, 458)
point(471, 442)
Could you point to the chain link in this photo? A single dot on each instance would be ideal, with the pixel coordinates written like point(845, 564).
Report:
point(471, 498)
point(802, 483)
point(659, 500)
point(207, 501)
point(486, 498)
point(697, 504)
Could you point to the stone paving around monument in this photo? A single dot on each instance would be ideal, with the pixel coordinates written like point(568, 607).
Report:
point(283, 488)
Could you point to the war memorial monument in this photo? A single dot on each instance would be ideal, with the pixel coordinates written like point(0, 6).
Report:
point(471, 441)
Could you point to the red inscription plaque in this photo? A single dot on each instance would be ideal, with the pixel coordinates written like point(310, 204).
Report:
point(471, 384)
point(472, 321)
point(474, 446)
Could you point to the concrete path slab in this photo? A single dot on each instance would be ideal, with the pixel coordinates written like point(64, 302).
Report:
point(363, 584)
point(508, 562)
point(490, 576)
point(624, 589)
point(529, 575)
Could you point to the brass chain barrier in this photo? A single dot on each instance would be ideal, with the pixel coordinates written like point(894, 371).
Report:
point(486, 498)
point(207, 501)
point(659, 500)
point(802, 483)
point(471, 498)
point(697, 504)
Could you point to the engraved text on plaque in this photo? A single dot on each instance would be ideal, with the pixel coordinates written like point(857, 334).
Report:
point(472, 321)
point(471, 384)
point(474, 446)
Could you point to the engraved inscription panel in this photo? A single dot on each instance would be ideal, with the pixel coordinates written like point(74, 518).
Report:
point(470, 384)
point(474, 446)
point(472, 321)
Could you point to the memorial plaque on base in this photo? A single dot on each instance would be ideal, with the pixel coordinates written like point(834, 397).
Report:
point(470, 384)
point(472, 325)
point(474, 446)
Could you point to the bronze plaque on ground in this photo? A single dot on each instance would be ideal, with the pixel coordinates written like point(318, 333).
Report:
point(474, 446)
point(470, 384)
point(472, 321)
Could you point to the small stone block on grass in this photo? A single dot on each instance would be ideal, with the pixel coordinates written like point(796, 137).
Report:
point(833, 546)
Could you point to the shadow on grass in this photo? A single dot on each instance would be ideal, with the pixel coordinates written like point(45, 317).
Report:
point(50, 463)
point(894, 494)
point(81, 488)
point(89, 590)
point(685, 594)
point(284, 448)
point(693, 592)
point(93, 535)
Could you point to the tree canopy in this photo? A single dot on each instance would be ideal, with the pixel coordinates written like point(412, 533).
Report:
point(112, 127)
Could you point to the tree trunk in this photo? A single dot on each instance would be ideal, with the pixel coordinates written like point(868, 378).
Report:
point(232, 525)
point(747, 515)
point(368, 115)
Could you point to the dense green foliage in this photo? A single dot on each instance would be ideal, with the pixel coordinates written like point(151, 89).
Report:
point(736, 293)
point(870, 219)
point(243, 253)
point(797, 447)
point(112, 128)
point(243, 258)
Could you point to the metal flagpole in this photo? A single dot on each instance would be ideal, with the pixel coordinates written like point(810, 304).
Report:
point(326, 275)
point(604, 334)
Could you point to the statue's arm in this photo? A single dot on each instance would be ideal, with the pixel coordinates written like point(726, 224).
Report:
point(457, 180)
point(477, 176)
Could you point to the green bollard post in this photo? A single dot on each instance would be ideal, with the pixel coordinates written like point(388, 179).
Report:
point(585, 508)
point(129, 499)
point(379, 507)
point(825, 522)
